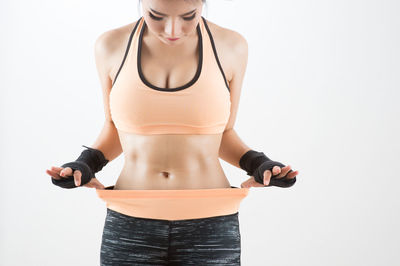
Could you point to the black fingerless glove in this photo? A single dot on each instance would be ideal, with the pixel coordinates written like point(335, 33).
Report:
point(256, 163)
point(89, 162)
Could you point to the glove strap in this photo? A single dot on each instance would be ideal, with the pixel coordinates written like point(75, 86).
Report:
point(251, 160)
point(93, 158)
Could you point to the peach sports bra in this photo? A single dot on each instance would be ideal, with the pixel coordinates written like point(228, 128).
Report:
point(201, 106)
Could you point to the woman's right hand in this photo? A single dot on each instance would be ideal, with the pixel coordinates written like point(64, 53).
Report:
point(58, 173)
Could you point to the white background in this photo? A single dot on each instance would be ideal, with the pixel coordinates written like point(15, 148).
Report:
point(321, 93)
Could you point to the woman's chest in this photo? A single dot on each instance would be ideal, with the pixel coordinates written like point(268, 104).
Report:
point(170, 71)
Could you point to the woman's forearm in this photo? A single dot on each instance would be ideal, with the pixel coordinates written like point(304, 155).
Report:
point(108, 141)
point(232, 147)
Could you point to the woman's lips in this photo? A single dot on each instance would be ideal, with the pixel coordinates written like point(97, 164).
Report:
point(172, 39)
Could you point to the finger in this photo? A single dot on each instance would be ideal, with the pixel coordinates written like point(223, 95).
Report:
point(99, 186)
point(96, 184)
point(88, 185)
point(291, 175)
point(247, 183)
point(284, 172)
point(53, 174)
point(77, 177)
point(276, 170)
point(251, 183)
point(267, 177)
point(67, 171)
point(56, 168)
point(254, 183)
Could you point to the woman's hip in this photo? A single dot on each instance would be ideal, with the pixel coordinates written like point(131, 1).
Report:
point(202, 241)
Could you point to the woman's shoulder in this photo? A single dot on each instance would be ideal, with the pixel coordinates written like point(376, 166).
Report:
point(231, 48)
point(222, 35)
point(110, 47)
point(113, 39)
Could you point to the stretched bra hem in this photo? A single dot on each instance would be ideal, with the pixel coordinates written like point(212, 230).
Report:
point(175, 204)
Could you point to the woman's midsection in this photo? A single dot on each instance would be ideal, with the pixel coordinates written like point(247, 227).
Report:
point(171, 162)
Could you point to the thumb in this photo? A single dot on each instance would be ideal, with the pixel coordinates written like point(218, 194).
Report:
point(247, 183)
point(251, 182)
point(96, 184)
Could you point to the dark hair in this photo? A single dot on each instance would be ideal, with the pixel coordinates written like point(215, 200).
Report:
point(204, 2)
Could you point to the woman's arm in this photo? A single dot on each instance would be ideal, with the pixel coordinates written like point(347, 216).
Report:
point(108, 140)
point(232, 147)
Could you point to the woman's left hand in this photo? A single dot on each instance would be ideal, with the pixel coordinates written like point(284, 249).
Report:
point(251, 182)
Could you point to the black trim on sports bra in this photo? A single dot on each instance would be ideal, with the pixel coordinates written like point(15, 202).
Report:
point(127, 50)
point(215, 52)
point(190, 83)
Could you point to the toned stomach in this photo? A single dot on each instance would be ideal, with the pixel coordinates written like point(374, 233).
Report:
point(176, 161)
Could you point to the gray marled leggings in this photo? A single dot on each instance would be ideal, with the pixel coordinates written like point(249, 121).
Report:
point(131, 240)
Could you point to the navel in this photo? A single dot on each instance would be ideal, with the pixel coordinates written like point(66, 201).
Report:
point(165, 174)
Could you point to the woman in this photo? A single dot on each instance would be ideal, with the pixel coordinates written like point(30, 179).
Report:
point(170, 106)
